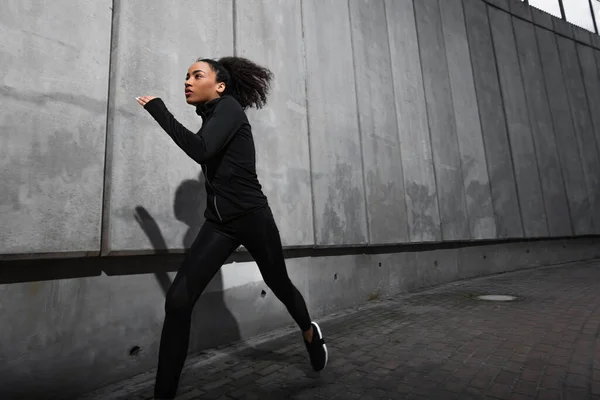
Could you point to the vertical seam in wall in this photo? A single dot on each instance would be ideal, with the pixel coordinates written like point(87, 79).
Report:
point(510, 152)
point(441, 226)
point(531, 122)
point(108, 143)
point(453, 115)
point(475, 84)
point(360, 133)
point(387, 32)
point(310, 164)
point(234, 25)
point(553, 127)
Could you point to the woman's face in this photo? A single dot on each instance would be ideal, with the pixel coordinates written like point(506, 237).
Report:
point(200, 84)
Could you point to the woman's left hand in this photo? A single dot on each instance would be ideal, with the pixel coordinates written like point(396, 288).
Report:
point(142, 100)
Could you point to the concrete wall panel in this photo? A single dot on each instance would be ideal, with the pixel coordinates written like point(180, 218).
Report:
point(269, 32)
point(493, 123)
point(566, 141)
point(480, 211)
point(336, 164)
point(148, 169)
point(591, 82)
point(519, 131)
point(386, 206)
point(411, 111)
point(584, 131)
point(55, 64)
point(442, 126)
point(551, 177)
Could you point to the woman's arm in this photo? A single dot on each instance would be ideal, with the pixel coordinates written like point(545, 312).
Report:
point(227, 118)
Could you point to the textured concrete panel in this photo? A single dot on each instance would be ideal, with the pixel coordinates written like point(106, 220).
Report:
point(386, 205)
point(338, 182)
point(411, 111)
point(54, 62)
point(584, 130)
point(519, 131)
point(542, 18)
point(566, 141)
point(148, 169)
point(442, 127)
point(591, 81)
point(563, 27)
point(281, 128)
point(551, 177)
point(480, 211)
point(521, 10)
point(493, 123)
point(594, 116)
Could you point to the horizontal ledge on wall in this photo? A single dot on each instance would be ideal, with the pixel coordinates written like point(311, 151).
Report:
point(69, 267)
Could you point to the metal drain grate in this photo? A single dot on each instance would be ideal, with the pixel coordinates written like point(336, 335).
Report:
point(497, 297)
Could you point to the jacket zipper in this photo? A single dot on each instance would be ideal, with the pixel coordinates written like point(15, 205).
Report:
point(214, 191)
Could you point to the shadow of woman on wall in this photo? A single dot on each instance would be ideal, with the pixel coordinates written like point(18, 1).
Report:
point(213, 324)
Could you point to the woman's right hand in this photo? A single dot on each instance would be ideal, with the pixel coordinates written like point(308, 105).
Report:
point(142, 100)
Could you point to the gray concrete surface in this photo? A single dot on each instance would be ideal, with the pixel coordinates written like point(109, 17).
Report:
point(493, 121)
point(83, 338)
point(147, 169)
point(336, 157)
point(443, 343)
point(568, 147)
point(589, 72)
point(584, 130)
point(386, 125)
point(442, 126)
point(382, 162)
point(411, 111)
point(281, 128)
point(480, 211)
point(53, 95)
point(442, 129)
point(542, 129)
point(529, 191)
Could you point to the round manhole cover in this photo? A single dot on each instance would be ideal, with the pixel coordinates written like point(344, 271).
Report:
point(497, 297)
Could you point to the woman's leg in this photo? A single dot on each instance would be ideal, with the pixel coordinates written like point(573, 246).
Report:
point(261, 238)
point(202, 261)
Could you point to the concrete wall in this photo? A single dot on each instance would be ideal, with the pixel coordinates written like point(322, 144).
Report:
point(391, 122)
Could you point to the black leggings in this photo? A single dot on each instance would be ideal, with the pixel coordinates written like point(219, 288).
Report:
point(213, 245)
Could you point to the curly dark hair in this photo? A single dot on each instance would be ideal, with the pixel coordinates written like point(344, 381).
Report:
point(246, 81)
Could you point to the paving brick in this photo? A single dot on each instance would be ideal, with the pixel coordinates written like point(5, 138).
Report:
point(544, 348)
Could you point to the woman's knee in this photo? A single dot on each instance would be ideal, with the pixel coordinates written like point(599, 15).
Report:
point(177, 300)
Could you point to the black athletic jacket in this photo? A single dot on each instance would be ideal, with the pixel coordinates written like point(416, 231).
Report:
point(224, 147)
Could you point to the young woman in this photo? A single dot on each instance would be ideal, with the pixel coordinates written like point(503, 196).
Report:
point(237, 211)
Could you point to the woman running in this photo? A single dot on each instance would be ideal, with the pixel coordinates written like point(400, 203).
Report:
point(237, 211)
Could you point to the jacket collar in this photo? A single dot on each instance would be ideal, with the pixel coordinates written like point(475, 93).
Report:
point(205, 110)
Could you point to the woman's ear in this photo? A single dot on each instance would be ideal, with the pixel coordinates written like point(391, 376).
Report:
point(221, 87)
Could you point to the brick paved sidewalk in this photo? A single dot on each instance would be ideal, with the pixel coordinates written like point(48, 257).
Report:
point(438, 344)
